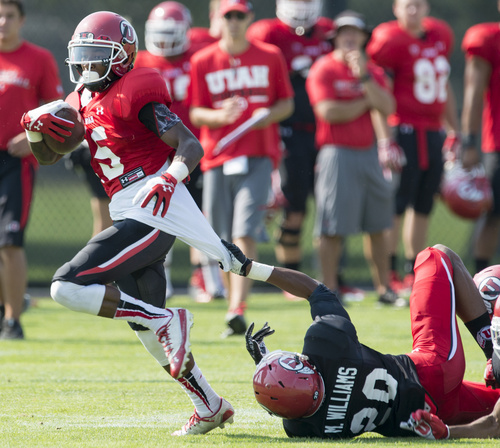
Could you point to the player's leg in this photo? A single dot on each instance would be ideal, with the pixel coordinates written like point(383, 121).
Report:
point(248, 224)
point(16, 188)
point(84, 285)
point(297, 179)
point(211, 410)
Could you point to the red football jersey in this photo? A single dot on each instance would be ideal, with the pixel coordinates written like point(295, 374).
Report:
point(200, 37)
point(122, 148)
point(28, 76)
point(330, 79)
point(259, 77)
point(483, 40)
point(299, 51)
point(420, 69)
point(176, 73)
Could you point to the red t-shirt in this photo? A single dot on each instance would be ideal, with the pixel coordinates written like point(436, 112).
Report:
point(176, 73)
point(483, 41)
point(330, 79)
point(259, 76)
point(420, 69)
point(28, 76)
point(121, 147)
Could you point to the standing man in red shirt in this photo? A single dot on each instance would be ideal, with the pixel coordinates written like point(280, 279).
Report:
point(29, 77)
point(481, 45)
point(415, 50)
point(233, 80)
point(168, 50)
point(303, 36)
point(351, 193)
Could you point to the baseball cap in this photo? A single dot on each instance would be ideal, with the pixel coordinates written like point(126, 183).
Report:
point(351, 18)
point(235, 5)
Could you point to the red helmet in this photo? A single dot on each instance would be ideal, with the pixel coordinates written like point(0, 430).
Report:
point(167, 29)
point(488, 283)
point(467, 193)
point(287, 385)
point(101, 38)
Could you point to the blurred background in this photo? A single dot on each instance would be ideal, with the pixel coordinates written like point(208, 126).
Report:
point(61, 220)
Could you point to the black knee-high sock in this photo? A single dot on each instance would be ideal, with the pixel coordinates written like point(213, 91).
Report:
point(480, 330)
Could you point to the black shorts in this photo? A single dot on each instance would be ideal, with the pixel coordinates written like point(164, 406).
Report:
point(297, 167)
point(80, 157)
point(17, 177)
point(417, 187)
point(130, 254)
point(491, 162)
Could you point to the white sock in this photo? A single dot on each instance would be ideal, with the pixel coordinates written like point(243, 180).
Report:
point(206, 401)
point(139, 312)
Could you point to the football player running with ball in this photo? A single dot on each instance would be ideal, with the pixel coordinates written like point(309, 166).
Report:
point(340, 388)
point(140, 151)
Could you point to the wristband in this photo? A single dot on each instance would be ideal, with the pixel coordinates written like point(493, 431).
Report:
point(259, 271)
point(178, 170)
point(469, 140)
point(34, 137)
point(366, 77)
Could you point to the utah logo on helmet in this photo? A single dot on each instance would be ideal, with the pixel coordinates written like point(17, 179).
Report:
point(488, 283)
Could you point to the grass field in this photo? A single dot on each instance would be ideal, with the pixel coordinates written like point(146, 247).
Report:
point(82, 381)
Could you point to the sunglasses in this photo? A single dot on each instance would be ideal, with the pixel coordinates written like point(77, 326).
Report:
point(238, 15)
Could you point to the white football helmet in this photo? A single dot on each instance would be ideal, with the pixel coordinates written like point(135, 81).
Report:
point(167, 29)
point(299, 13)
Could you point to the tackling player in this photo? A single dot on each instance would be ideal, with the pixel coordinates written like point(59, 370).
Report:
point(340, 388)
point(482, 94)
point(140, 150)
point(169, 49)
point(415, 50)
point(303, 37)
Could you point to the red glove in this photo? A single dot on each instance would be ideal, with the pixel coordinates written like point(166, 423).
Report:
point(489, 378)
point(43, 120)
point(426, 425)
point(162, 187)
point(451, 146)
point(390, 155)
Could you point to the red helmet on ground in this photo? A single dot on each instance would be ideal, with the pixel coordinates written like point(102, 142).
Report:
point(488, 283)
point(467, 193)
point(167, 29)
point(287, 385)
point(101, 38)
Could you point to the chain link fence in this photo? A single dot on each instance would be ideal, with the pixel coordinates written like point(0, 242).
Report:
point(61, 220)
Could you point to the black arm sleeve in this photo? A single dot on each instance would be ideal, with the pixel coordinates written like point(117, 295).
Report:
point(158, 118)
point(324, 302)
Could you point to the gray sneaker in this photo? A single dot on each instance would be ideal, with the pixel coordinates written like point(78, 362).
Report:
point(236, 325)
point(11, 329)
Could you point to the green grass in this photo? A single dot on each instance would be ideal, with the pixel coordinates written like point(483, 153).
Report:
point(83, 381)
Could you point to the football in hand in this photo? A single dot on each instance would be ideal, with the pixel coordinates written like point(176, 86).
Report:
point(71, 142)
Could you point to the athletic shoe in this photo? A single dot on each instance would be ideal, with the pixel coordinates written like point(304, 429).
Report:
point(11, 329)
point(391, 298)
point(351, 293)
point(199, 425)
point(197, 288)
point(174, 336)
point(236, 325)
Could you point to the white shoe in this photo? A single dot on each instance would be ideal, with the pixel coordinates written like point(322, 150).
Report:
point(174, 336)
point(198, 425)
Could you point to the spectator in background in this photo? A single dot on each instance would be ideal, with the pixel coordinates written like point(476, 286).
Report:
point(415, 50)
point(481, 45)
point(232, 81)
point(351, 193)
point(303, 36)
point(169, 50)
point(29, 77)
